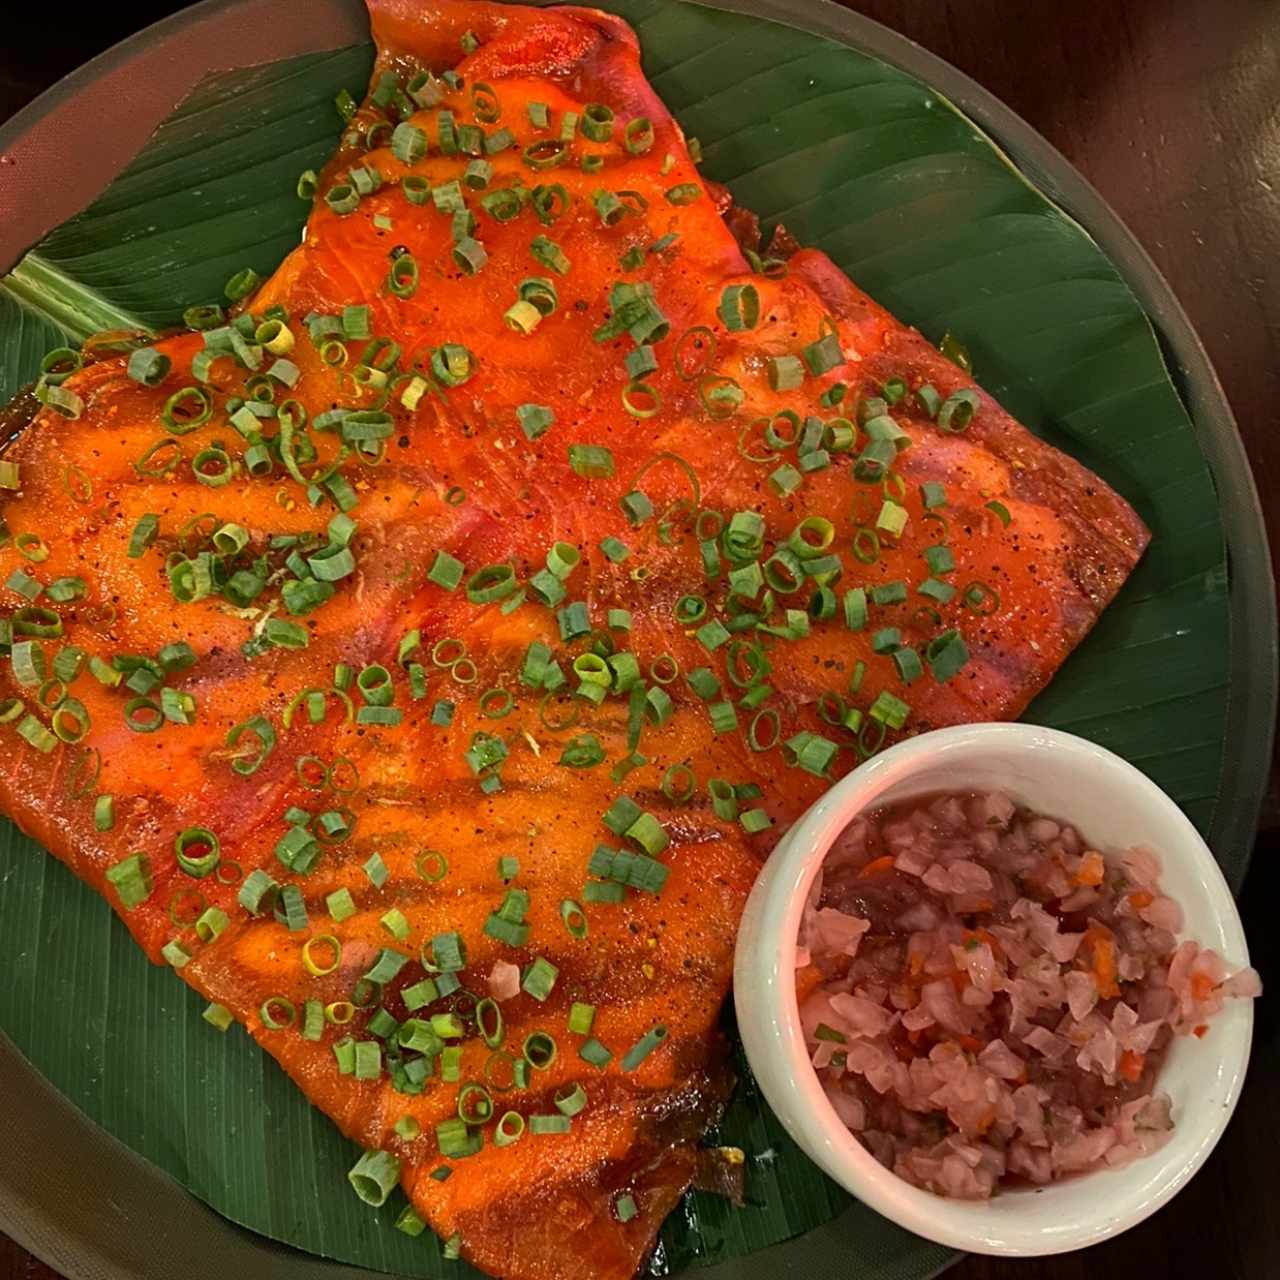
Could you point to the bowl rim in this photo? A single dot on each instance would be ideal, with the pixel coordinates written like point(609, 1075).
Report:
point(781, 898)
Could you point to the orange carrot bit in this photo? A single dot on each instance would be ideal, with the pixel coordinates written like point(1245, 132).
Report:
point(970, 1043)
point(1092, 869)
point(1141, 899)
point(877, 866)
point(1201, 986)
point(984, 935)
point(1131, 1065)
point(807, 979)
point(1200, 1030)
point(1104, 960)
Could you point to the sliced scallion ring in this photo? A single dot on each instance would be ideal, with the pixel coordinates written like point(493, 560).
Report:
point(539, 1050)
point(431, 865)
point(475, 1104)
point(187, 409)
point(509, 1129)
point(277, 1013)
point(574, 919)
point(678, 783)
point(489, 1020)
point(641, 400)
point(198, 851)
point(762, 739)
point(570, 1099)
point(317, 965)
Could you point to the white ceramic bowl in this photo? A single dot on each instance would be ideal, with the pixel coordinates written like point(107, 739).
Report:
point(1116, 807)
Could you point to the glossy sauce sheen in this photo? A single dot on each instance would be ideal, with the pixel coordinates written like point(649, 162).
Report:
point(543, 1207)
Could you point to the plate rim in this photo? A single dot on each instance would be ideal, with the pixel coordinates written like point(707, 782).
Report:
point(34, 1199)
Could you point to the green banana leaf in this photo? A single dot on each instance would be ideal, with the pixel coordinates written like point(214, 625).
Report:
point(923, 211)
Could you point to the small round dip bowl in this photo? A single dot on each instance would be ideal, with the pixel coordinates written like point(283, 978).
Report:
point(1115, 807)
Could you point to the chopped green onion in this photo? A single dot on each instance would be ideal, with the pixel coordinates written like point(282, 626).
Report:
point(575, 921)
point(242, 284)
point(218, 1016)
point(375, 1176)
point(1000, 511)
point(446, 571)
point(824, 355)
point(571, 1099)
point(595, 1053)
point(786, 373)
point(258, 892)
point(643, 1048)
point(712, 635)
point(420, 994)
point(596, 122)
point(550, 255)
point(683, 193)
point(581, 1017)
point(539, 978)
point(455, 1140)
point(131, 879)
point(448, 953)
point(509, 1129)
point(376, 869)
point(591, 461)
point(957, 410)
point(493, 582)
point(740, 307)
point(946, 655)
point(956, 351)
point(980, 598)
point(198, 851)
point(148, 366)
point(549, 1124)
point(368, 1060)
point(410, 1223)
point(534, 419)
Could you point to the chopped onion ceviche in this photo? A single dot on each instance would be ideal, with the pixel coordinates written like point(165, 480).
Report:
point(987, 999)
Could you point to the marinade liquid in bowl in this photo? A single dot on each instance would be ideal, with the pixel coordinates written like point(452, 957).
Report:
point(987, 999)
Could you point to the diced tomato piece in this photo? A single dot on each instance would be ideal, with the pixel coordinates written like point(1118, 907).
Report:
point(877, 866)
point(1092, 869)
point(1131, 1065)
point(807, 979)
point(1201, 986)
point(1099, 938)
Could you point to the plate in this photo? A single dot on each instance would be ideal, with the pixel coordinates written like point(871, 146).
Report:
point(1188, 644)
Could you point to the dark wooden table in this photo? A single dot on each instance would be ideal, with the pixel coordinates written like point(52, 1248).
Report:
point(1170, 110)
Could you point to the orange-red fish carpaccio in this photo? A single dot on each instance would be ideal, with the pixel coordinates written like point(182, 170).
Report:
point(519, 337)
